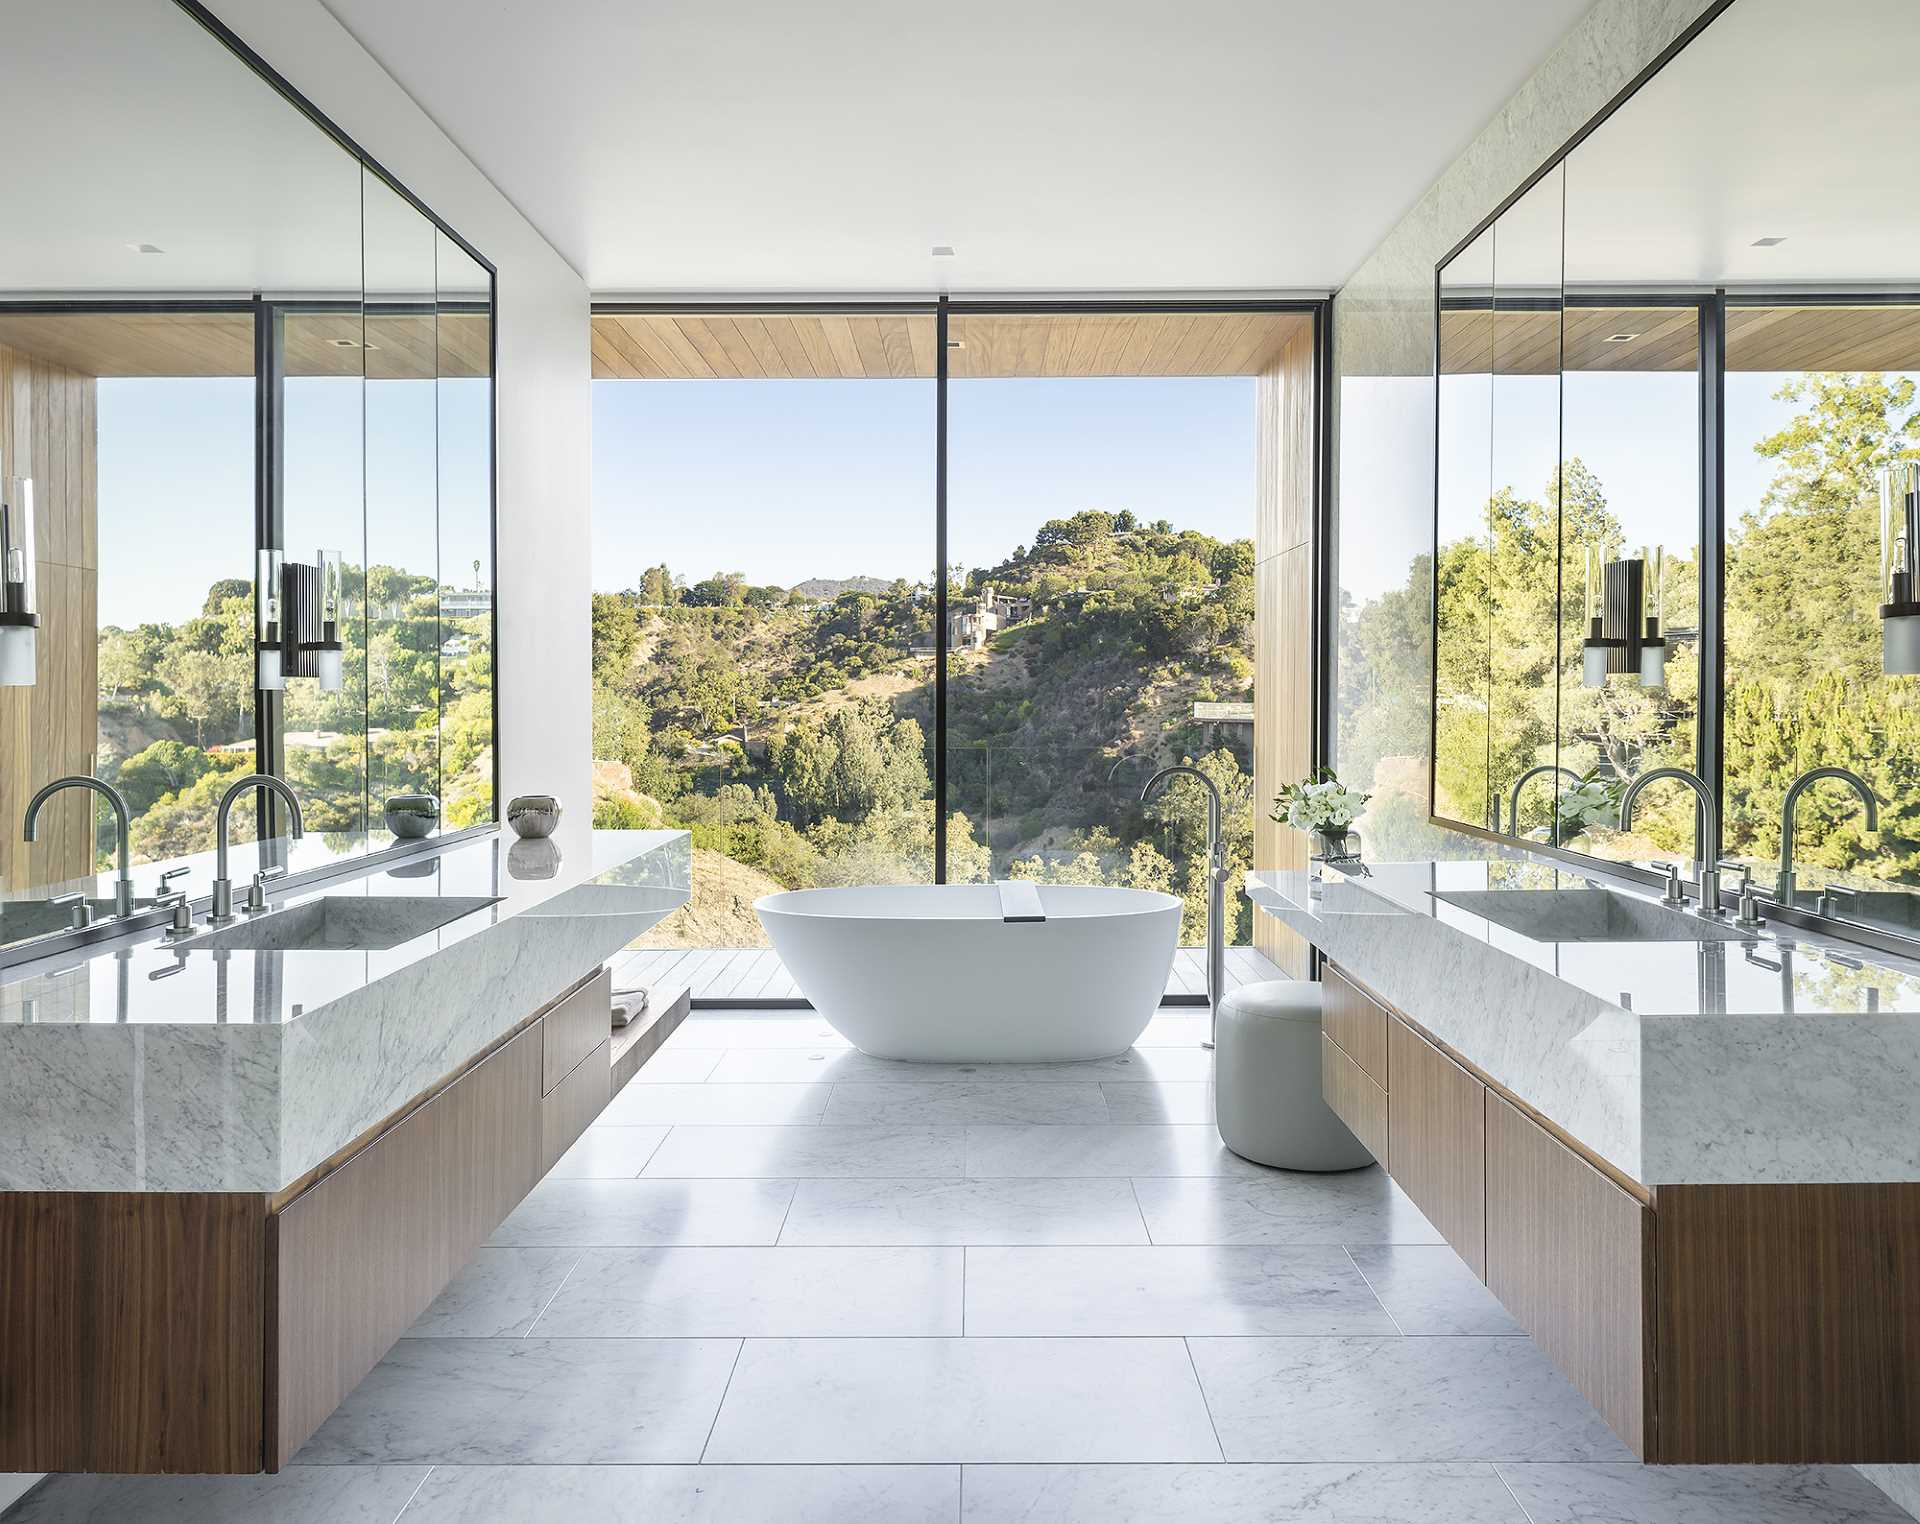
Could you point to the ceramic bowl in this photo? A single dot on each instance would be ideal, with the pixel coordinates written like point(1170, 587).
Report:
point(533, 815)
point(411, 816)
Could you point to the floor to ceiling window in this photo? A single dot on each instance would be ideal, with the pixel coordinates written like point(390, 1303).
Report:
point(766, 633)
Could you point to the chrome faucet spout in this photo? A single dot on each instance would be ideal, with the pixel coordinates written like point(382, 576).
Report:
point(1513, 799)
point(123, 883)
point(1216, 885)
point(1785, 890)
point(222, 882)
point(1709, 837)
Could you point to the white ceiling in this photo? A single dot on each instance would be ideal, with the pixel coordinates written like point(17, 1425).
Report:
point(761, 145)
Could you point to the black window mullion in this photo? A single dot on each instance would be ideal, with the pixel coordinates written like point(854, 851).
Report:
point(1711, 710)
point(269, 532)
point(940, 782)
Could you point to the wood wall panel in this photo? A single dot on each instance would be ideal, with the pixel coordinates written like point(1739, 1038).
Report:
point(359, 1256)
point(1437, 1139)
point(1787, 1323)
point(47, 419)
point(572, 1105)
point(1570, 1255)
point(131, 1330)
point(1285, 421)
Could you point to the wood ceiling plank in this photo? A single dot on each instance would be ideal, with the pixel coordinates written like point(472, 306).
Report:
point(811, 332)
point(793, 354)
point(608, 363)
point(733, 344)
point(660, 337)
point(922, 335)
point(838, 333)
point(871, 343)
point(753, 333)
point(899, 346)
point(707, 344)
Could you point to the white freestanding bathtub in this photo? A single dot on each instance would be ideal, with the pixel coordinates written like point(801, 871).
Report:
point(978, 973)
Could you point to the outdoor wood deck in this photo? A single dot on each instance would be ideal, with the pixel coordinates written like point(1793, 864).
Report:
point(723, 973)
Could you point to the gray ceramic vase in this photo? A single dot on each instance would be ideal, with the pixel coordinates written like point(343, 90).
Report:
point(411, 816)
point(533, 815)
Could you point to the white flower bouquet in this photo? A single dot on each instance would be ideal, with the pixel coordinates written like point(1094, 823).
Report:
point(1592, 801)
point(1320, 803)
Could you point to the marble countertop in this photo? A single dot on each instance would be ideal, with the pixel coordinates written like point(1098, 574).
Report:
point(1772, 1057)
point(145, 1065)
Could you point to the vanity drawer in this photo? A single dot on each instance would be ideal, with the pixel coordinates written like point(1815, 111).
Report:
point(574, 1028)
point(1354, 1098)
point(573, 1103)
point(1353, 1019)
point(1437, 1137)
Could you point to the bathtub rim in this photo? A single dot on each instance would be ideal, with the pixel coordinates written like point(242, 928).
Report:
point(1140, 902)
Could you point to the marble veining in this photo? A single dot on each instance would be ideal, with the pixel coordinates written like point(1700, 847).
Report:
point(191, 1067)
point(1777, 1057)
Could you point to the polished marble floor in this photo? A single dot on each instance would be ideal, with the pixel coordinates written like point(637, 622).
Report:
point(783, 1281)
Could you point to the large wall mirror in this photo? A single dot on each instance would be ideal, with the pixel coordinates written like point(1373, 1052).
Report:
point(246, 431)
point(1677, 457)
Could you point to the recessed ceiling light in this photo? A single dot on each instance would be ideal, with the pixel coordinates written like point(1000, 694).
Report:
point(956, 343)
point(1768, 243)
point(1620, 338)
point(146, 248)
point(943, 251)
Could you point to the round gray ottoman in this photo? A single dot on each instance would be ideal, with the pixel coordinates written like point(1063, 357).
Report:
point(1266, 1076)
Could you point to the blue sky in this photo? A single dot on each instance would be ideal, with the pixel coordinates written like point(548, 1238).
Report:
point(176, 482)
point(787, 480)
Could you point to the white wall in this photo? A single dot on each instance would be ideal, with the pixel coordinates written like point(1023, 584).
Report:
point(544, 588)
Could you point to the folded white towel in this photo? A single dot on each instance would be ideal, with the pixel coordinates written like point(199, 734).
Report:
point(629, 1006)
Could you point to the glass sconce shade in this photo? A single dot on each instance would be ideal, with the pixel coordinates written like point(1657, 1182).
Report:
point(269, 629)
point(1899, 537)
point(19, 607)
point(327, 662)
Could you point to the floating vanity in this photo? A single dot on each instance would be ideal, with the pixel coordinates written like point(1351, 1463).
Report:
point(1683, 1155)
point(236, 1167)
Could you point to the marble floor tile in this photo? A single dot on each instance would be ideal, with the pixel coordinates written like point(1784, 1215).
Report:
point(1237, 1494)
point(731, 1105)
point(1102, 1149)
point(529, 1401)
point(1429, 1290)
point(1177, 1028)
point(1106, 1292)
point(784, 1029)
point(1396, 1399)
point(964, 1101)
point(1091, 1211)
point(1284, 1207)
point(297, 1495)
point(678, 1066)
point(688, 1495)
point(1182, 1101)
point(637, 1213)
point(498, 1295)
point(707, 1153)
point(608, 1153)
point(1700, 1495)
point(905, 1401)
point(758, 1293)
point(846, 1065)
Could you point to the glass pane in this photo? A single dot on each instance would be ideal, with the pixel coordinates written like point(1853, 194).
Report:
point(464, 362)
point(1631, 419)
point(1523, 509)
point(1100, 523)
point(763, 625)
point(1819, 400)
point(403, 616)
point(1463, 604)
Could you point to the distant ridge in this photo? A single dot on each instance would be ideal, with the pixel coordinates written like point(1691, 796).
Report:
point(833, 587)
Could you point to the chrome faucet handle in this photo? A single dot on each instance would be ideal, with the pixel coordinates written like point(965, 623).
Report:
point(1829, 902)
point(1747, 917)
point(82, 916)
point(1745, 870)
point(182, 923)
point(1673, 894)
point(167, 878)
point(257, 893)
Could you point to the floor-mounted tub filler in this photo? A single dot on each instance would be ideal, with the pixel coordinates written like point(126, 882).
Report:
point(978, 973)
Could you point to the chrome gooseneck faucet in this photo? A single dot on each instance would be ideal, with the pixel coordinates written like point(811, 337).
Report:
point(1710, 836)
point(1216, 888)
point(1785, 889)
point(123, 885)
point(222, 911)
point(1513, 801)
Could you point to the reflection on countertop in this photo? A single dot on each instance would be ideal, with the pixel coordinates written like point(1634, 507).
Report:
point(202, 1066)
point(1771, 1055)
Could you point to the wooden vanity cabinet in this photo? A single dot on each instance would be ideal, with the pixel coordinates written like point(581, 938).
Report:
point(1707, 1324)
point(215, 1332)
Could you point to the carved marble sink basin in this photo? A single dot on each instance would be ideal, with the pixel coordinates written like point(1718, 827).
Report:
point(1587, 915)
point(343, 923)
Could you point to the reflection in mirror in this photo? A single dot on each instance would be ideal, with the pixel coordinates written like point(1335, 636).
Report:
point(403, 567)
point(1463, 591)
point(188, 380)
point(1523, 510)
point(464, 345)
